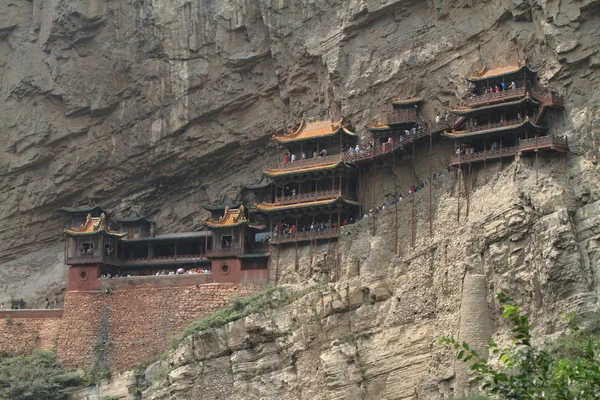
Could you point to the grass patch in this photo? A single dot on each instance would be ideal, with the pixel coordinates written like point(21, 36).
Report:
point(271, 297)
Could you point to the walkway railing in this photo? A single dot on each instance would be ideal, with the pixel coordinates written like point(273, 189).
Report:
point(491, 97)
point(306, 236)
point(397, 143)
point(484, 155)
point(544, 142)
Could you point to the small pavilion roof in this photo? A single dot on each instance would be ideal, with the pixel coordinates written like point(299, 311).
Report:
point(314, 130)
point(464, 111)
point(256, 186)
point(270, 207)
point(92, 226)
point(134, 217)
point(378, 127)
point(274, 173)
point(407, 102)
point(231, 218)
point(499, 72)
point(229, 199)
point(498, 129)
point(82, 209)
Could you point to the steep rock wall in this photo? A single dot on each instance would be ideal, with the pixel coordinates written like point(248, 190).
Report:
point(166, 104)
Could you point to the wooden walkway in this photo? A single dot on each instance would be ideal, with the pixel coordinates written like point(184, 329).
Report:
point(555, 143)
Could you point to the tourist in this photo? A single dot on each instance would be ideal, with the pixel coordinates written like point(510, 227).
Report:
point(286, 158)
point(2, 307)
point(303, 156)
point(513, 86)
point(518, 115)
point(414, 130)
point(315, 154)
point(485, 90)
point(293, 158)
point(447, 115)
point(437, 118)
point(294, 192)
point(472, 150)
point(357, 149)
point(365, 216)
point(345, 222)
point(324, 153)
point(47, 303)
point(383, 207)
point(370, 145)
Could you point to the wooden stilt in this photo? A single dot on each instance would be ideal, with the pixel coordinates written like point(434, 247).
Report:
point(395, 204)
point(430, 188)
point(412, 217)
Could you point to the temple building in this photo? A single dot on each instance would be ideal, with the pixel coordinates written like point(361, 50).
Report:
point(312, 186)
point(504, 116)
point(236, 255)
point(91, 250)
point(403, 116)
point(76, 215)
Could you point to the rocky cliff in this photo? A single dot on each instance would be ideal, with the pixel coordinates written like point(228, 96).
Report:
point(166, 104)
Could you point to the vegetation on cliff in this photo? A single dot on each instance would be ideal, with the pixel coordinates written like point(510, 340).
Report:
point(34, 377)
point(569, 369)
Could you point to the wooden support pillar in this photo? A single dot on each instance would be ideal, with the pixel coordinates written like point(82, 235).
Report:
point(430, 187)
point(458, 174)
point(412, 217)
point(296, 243)
point(536, 159)
point(395, 204)
point(374, 179)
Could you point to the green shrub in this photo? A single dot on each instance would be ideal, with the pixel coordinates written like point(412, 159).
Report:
point(527, 372)
point(35, 377)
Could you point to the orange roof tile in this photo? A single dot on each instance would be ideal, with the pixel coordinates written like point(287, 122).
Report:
point(279, 172)
point(308, 130)
point(497, 72)
point(410, 100)
point(231, 218)
point(266, 207)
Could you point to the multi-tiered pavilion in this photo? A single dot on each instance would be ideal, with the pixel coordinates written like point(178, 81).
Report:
point(314, 188)
point(504, 116)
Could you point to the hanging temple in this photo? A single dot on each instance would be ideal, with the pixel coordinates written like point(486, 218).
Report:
point(316, 189)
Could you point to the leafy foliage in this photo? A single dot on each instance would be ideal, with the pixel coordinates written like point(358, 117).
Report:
point(35, 377)
point(526, 372)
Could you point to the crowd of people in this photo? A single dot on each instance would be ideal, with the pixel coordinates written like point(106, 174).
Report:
point(288, 158)
point(288, 230)
point(164, 272)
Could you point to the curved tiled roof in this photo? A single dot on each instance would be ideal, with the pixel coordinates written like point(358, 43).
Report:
point(462, 111)
point(378, 127)
point(270, 207)
point(257, 185)
point(314, 130)
point(499, 72)
point(230, 199)
point(92, 226)
point(230, 219)
point(407, 102)
point(462, 134)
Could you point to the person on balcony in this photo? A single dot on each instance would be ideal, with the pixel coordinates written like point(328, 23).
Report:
point(303, 156)
point(357, 149)
point(294, 193)
point(512, 86)
point(485, 90)
point(286, 158)
point(438, 118)
point(293, 158)
point(324, 153)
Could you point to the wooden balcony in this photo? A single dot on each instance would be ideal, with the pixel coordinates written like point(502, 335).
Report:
point(485, 155)
point(306, 236)
point(551, 142)
point(91, 258)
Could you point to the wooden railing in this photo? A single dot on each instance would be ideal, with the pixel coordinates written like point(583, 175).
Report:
point(308, 162)
point(491, 97)
point(306, 236)
point(539, 142)
point(161, 259)
point(494, 125)
point(227, 252)
point(543, 142)
point(484, 155)
point(95, 257)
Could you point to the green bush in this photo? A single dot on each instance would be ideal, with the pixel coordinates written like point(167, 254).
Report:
point(527, 372)
point(35, 377)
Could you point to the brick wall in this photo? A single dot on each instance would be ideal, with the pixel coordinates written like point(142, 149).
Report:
point(131, 322)
point(125, 326)
point(21, 331)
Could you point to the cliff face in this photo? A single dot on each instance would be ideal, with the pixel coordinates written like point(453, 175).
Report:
point(167, 104)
